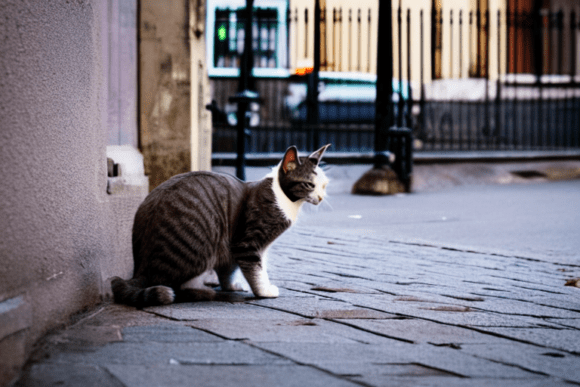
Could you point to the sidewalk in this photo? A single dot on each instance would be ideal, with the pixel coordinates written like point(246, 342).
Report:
point(355, 308)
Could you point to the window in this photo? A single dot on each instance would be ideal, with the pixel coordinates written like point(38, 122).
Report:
point(226, 27)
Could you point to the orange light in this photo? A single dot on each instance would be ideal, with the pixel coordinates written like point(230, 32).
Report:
point(304, 70)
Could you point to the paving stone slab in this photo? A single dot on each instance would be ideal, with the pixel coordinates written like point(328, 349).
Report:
point(318, 307)
point(564, 339)
point(348, 359)
point(566, 322)
point(342, 353)
point(225, 376)
point(325, 287)
point(167, 334)
point(515, 307)
point(291, 331)
point(204, 310)
point(427, 332)
point(455, 361)
point(440, 381)
point(541, 360)
point(151, 353)
point(67, 375)
point(448, 313)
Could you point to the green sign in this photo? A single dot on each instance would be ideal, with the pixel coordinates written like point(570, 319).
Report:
point(222, 33)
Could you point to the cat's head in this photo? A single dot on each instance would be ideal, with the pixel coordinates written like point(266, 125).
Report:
point(301, 177)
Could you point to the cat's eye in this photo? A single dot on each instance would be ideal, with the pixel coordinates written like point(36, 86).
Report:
point(308, 185)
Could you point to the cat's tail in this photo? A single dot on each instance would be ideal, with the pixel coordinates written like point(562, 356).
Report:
point(134, 293)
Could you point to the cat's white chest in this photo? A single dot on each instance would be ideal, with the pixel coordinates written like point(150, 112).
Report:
point(289, 208)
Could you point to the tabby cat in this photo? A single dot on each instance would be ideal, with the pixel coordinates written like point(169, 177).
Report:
point(200, 221)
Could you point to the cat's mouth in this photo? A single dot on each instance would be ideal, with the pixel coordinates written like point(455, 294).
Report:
point(316, 199)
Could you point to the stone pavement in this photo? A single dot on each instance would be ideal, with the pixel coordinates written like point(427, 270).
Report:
point(353, 310)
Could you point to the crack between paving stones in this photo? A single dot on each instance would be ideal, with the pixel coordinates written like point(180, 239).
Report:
point(163, 316)
point(347, 275)
point(419, 318)
point(435, 321)
point(513, 365)
point(476, 252)
point(109, 373)
point(337, 321)
point(470, 328)
point(521, 300)
point(538, 290)
point(307, 365)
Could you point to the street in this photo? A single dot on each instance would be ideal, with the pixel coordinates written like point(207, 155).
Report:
point(540, 221)
point(463, 286)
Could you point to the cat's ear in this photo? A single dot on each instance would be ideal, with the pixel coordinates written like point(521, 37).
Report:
point(317, 155)
point(291, 160)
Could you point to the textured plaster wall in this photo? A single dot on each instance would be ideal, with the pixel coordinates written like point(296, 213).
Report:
point(56, 220)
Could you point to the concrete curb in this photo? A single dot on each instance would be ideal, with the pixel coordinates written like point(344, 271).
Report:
point(432, 157)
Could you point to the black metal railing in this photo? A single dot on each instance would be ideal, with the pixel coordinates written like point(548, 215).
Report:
point(486, 80)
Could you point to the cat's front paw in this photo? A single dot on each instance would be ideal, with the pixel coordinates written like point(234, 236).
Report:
point(269, 292)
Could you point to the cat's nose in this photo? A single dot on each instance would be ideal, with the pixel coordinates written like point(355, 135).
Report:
point(320, 198)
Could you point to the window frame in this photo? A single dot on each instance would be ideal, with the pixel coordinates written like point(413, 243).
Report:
point(281, 45)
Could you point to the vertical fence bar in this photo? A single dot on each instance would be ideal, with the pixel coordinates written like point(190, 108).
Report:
point(497, 126)
point(560, 40)
point(488, 129)
point(572, 72)
point(369, 43)
point(323, 40)
point(408, 122)
point(560, 100)
point(451, 75)
point(359, 42)
point(460, 43)
point(296, 34)
point(517, 27)
point(453, 138)
point(334, 44)
point(470, 116)
point(288, 34)
point(422, 116)
point(573, 53)
point(507, 122)
point(349, 51)
point(433, 40)
point(400, 59)
point(460, 125)
point(305, 32)
point(478, 74)
point(340, 39)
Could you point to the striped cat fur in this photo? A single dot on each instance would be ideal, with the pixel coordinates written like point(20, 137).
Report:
point(201, 221)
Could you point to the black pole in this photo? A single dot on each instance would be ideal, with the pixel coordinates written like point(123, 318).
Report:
point(247, 62)
point(314, 77)
point(384, 101)
point(246, 82)
point(538, 41)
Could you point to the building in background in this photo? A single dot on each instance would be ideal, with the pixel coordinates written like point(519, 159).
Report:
point(175, 132)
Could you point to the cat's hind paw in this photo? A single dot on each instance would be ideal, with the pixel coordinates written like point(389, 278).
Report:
point(234, 287)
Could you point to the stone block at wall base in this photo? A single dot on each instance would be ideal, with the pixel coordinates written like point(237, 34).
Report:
point(15, 318)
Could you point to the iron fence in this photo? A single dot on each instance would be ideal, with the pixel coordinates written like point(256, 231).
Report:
point(465, 80)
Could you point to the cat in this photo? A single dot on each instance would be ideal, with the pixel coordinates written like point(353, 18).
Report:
point(199, 221)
